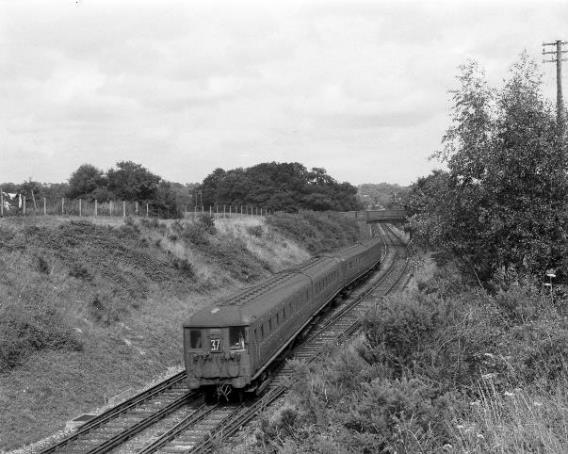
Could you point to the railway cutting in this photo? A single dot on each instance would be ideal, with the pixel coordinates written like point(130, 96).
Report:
point(172, 418)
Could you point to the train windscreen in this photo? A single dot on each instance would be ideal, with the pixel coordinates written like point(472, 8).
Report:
point(195, 338)
point(237, 337)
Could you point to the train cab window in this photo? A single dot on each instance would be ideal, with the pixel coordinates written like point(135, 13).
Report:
point(195, 338)
point(237, 337)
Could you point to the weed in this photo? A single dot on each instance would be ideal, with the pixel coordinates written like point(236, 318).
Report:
point(255, 230)
point(41, 265)
point(79, 271)
point(103, 311)
point(185, 267)
point(30, 328)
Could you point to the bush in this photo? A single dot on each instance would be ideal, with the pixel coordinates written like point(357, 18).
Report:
point(26, 329)
point(78, 271)
point(255, 230)
point(198, 232)
point(319, 232)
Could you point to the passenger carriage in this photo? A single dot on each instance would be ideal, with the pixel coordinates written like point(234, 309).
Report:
point(232, 343)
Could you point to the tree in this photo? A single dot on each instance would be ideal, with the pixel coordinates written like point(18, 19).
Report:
point(85, 181)
point(278, 186)
point(501, 204)
point(131, 181)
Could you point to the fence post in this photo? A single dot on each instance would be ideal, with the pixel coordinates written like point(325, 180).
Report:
point(241, 210)
point(147, 210)
point(123, 208)
point(136, 208)
point(230, 210)
point(110, 207)
point(210, 210)
point(1, 203)
point(80, 208)
point(62, 205)
point(96, 207)
point(44, 207)
point(223, 211)
point(24, 205)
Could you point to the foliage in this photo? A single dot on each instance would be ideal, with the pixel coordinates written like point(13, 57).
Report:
point(198, 232)
point(131, 181)
point(165, 204)
point(277, 186)
point(318, 232)
point(382, 195)
point(32, 327)
point(86, 182)
point(502, 203)
point(432, 373)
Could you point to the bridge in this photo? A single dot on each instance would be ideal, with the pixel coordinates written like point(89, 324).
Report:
point(395, 216)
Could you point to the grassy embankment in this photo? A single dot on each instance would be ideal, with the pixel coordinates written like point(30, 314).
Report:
point(440, 368)
point(88, 311)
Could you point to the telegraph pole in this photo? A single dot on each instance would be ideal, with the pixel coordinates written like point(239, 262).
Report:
point(557, 58)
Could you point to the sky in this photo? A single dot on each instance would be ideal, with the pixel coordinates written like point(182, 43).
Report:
point(360, 88)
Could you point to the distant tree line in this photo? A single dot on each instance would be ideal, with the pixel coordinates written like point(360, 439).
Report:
point(277, 186)
point(126, 181)
point(381, 195)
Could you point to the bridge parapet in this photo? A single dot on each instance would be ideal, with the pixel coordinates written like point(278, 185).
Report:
point(395, 215)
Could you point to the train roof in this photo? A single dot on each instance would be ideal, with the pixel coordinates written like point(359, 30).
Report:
point(244, 306)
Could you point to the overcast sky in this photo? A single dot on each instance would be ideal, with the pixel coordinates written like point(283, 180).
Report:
point(183, 87)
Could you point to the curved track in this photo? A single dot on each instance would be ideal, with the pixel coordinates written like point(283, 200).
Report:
point(338, 325)
point(168, 418)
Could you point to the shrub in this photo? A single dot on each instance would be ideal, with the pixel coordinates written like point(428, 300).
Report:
point(255, 230)
point(80, 272)
point(104, 310)
point(41, 265)
point(29, 328)
point(317, 231)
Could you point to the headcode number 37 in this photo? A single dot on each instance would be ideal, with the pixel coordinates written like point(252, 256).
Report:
point(215, 344)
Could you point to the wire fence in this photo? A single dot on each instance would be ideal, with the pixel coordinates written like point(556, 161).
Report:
point(19, 205)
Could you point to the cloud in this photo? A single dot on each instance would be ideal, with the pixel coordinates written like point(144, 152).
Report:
point(186, 86)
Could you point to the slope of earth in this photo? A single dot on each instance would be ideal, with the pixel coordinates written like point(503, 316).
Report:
point(90, 310)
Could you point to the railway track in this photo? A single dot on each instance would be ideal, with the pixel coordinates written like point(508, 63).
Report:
point(118, 424)
point(169, 418)
point(336, 328)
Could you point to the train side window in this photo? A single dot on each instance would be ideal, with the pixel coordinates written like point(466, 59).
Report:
point(262, 331)
point(284, 313)
point(270, 325)
point(277, 318)
point(237, 337)
point(195, 338)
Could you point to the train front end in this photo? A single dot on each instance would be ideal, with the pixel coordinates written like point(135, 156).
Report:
point(216, 350)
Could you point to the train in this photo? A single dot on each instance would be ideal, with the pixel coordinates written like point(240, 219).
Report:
point(232, 344)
